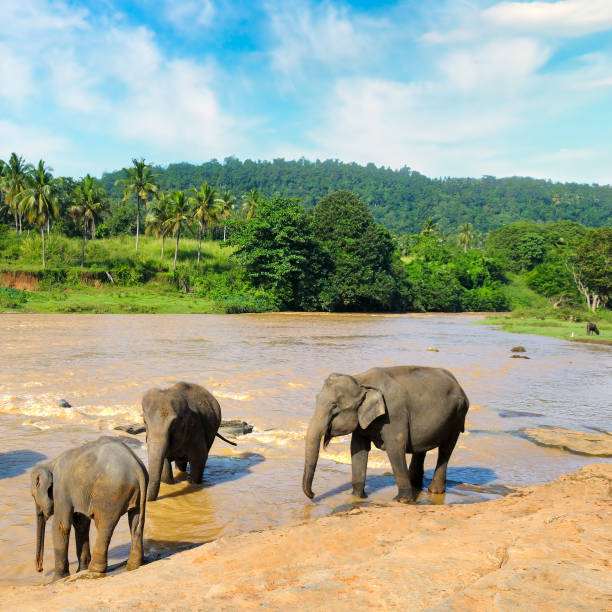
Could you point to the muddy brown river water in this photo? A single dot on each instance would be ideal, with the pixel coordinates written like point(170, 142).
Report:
point(267, 369)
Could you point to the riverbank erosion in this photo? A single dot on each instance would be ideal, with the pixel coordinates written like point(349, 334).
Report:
point(546, 547)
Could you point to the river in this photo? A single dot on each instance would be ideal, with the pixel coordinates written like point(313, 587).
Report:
point(266, 370)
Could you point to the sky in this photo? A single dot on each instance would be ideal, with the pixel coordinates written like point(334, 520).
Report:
point(446, 87)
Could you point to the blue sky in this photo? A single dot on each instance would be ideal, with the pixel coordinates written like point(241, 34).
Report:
point(449, 88)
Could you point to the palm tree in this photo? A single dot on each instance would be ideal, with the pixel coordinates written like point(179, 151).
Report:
point(251, 200)
point(429, 226)
point(141, 181)
point(14, 179)
point(38, 202)
point(203, 202)
point(466, 235)
point(179, 212)
point(156, 219)
point(89, 196)
point(226, 206)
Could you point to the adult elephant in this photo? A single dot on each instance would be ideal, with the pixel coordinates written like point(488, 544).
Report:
point(181, 423)
point(100, 480)
point(404, 409)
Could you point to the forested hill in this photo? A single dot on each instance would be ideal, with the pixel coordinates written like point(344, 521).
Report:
point(399, 199)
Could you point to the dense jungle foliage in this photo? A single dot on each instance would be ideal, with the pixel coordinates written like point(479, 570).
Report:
point(401, 200)
point(205, 249)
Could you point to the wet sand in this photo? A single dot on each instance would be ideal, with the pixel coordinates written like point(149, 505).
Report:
point(267, 369)
point(546, 547)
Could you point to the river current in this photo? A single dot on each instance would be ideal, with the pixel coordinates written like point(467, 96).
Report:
point(266, 370)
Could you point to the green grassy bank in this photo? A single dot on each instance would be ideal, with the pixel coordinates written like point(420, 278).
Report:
point(116, 279)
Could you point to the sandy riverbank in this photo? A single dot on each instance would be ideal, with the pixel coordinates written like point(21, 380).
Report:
point(546, 547)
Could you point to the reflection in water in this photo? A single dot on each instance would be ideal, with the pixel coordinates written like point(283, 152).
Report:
point(267, 370)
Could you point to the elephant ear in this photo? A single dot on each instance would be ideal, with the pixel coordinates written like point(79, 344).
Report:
point(371, 408)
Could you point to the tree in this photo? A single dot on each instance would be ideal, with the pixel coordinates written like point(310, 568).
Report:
point(250, 202)
point(226, 206)
point(90, 204)
point(139, 180)
point(157, 217)
point(466, 235)
point(14, 178)
point(361, 252)
point(203, 209)
point(37, 201)
point(179, 213)
point(591, 267)
point(430, 226)
point(281, 255)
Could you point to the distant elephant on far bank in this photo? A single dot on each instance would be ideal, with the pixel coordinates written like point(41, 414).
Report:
point(101, 480)
point(181, 423)
point(404, 409)
point(591, 328)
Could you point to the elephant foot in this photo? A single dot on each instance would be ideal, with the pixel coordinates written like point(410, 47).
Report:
point(133, 564)
point(60, 575)
point(436, 488)
point(405, 497)
point(97, 568)
point(360, 493)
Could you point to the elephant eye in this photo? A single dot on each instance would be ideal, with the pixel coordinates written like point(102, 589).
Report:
point(334, 408)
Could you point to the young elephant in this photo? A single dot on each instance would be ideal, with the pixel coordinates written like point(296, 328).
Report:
point(181, 423)
point(101, 480)
point(405, 409)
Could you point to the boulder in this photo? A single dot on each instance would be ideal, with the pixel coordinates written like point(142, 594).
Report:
point(519, 357)
point(134, 428)
point(579, 442)
point(518, 349)
point(235, 427)
point(64, 404)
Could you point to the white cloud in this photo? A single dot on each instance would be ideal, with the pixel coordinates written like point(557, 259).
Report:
point(309, 36)
point(30, 141)
point(110, 79)
point(563, 18)
point(189, 14)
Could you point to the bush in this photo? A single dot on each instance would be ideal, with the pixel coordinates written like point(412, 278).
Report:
point(12, 298)
point(134, 272)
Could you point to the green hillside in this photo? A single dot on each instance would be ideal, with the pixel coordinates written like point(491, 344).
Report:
point(399, 199)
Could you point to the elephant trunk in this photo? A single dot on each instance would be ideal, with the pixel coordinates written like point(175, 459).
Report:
point(40, 541)
point(313, 442)
point(157, 455)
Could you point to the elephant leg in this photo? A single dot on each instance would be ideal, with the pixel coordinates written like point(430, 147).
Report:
point(416, 470)
point(136, 528)
point(99, 558)
point(61, 534)
point(360, 447)
point(196, 466)
point(397, 457)
point(167, 476)
point(81, 534)
point(181, 464)
point(438, 482)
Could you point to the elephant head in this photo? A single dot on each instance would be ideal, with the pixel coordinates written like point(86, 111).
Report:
point(42, 492)
point(161, 410)
point(343, 405)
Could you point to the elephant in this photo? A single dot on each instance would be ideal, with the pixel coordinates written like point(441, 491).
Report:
point(101, 480)
point(402, 409)
point(181, 423)
point(591, 328)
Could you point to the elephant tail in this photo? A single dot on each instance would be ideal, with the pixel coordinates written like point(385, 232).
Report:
point(225, 439)
point(462, 409)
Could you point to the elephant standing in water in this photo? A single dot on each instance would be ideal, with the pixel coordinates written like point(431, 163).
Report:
point(404, 409)
point(181, 423)
point(100, 480)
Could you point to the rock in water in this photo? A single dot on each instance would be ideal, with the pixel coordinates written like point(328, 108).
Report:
point(579, 442)
point(433, 349)
point(132, 429)
point(236, 427)
point(518, 349)
point(519, 357)
point(64, 404)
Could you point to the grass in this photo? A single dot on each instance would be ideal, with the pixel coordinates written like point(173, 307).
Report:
point(142, 281)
